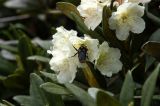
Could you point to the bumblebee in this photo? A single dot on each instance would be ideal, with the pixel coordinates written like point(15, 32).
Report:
point(82, 53)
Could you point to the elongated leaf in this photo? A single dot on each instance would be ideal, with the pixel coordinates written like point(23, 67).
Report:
point(82, 95)
point(2, 104)
point(103, 99)
point(51, 76)
point(9, 48)
point(152, 48)
point(149, 86)
point(36, 92)
point(106, 30)
point(54, 88)
point(38, 58)
point(7, 103)
point(6, 67)
point(25, 50)
point(127, 91)
point(67, 8)
point(26, 5)
point(45, 44)
point(24, 100)
point(155, 36)
point(19, 78)
point(152, 16)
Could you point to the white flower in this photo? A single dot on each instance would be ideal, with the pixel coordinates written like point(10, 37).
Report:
point(108, 60)
point(65, 67)
point(91, 11)
point(62, 51)
point(61, 41)
point(65, 52)
point(127, 18)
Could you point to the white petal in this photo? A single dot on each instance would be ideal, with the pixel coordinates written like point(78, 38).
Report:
point(122, 32)
point(137, 25)
point(108, 60)
point(93, 21)
point(91, 11)
point(67, 75)
point(92, 46)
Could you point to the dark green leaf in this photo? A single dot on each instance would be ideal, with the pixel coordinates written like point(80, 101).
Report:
point(127, 91)
point(54, 88)
point(24, 100)
point(38, 58)
point(25, 50)
point(6, 67)
point(155, 36)
point(9, 48)
point(26, 5)
point(7, 103)
point(149, 87)
point(152, 48)
point(149, 61)
point(82, 95)
point(67, 8)
point(45, 44)
point(36, 92)
point(51, 76)
point(19, 78)
point(151, 15)
point(103, 99)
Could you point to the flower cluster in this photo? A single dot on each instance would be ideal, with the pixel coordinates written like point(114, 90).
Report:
point(127, 17)
point(70, 51)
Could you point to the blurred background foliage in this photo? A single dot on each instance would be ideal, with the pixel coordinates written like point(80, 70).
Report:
point(26, 27)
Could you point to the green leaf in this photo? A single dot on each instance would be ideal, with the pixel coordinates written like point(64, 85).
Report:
point(38, 58)
point(106, 15)
point(152, 48)
point(149, 87)
point(103, 99)
point(45, 44)
point(9, 48)
point(36, 92)
point(25, 50)
point(7, 103)
point(127, 91)
point(155, 36)
point(19, 78)
point(54, 88)
point(150, 15)
point(6, 67)
point(26, 5)
point(67, 8)
point(149, 61)
point(2, 104)
point(82, 95)
point(24, 100)
point(51, 76)
point(37, 95)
